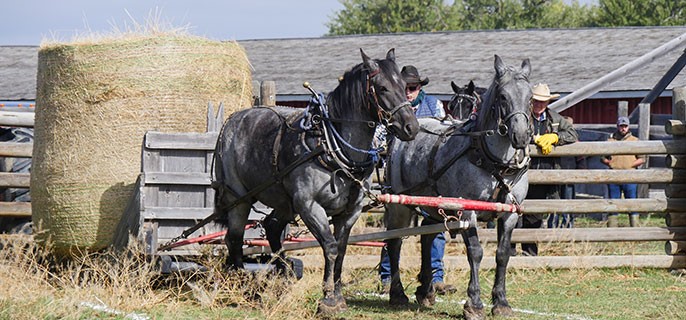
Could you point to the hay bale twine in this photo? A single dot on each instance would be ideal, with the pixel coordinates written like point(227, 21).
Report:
point(94, 103)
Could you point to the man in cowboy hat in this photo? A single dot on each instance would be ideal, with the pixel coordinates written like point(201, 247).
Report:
point(550, 129)
point(424, 106)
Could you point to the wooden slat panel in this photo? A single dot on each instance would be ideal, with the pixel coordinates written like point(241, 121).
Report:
point(169, 213)
point(187, 178)
point(600, 176)
point(16, 149)
point(546, 262)
point(15, 179)
point(189, 141)
point(15, 209)
point(533, 206)
point(601, 148)
point(518, 235)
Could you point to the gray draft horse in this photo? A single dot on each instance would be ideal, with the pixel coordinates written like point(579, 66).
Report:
point(488, 163)
point(312, 162)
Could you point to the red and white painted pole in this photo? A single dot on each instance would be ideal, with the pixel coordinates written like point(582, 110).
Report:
point(448, 203)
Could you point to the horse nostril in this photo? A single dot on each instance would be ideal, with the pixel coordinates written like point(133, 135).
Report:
point(409, 129)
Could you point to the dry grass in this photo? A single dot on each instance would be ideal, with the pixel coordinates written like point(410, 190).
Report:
point(125, 285)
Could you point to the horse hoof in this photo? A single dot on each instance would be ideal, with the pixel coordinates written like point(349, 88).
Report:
point(331, 306)
point(426, 300)
point(503, 311)
point(399, 300)
point(471, 313)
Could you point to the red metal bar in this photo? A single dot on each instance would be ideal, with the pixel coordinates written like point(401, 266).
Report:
point(448, 203)
point(200, 239)
point(208, 238)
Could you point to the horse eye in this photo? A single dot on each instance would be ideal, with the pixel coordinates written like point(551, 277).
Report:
point(382, 89)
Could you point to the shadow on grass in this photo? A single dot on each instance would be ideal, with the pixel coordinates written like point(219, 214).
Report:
point(382, 308)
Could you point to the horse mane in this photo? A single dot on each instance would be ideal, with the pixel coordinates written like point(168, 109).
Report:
point(351, 91)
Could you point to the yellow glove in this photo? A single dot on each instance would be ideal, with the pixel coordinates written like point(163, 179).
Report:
point(546, 142)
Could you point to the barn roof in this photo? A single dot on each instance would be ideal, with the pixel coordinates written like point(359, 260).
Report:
point(567, 59)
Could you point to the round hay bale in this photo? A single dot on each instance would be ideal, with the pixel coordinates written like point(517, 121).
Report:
point(94, 103)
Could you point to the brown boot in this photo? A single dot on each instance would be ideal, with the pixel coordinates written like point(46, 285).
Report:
point(633, 220)
point(612, 221)
point(442, 289)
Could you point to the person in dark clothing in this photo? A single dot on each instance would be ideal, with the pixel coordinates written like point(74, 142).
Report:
point(550, 129)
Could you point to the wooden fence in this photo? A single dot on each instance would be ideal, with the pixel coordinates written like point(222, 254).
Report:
point(673, 205)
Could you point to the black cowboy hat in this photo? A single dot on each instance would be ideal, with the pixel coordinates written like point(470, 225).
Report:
point(411, 76)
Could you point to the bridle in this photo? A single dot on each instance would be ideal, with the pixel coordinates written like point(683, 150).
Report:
point(382, 116)
point(457, 100)
point(497, 110)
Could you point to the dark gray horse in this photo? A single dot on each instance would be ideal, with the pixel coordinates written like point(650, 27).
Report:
point(465, 101)
point(312, 162)
point(488, 163)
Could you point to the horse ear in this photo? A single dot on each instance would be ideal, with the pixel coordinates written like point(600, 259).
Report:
point(455, 87)
point(471, 87)
point(499, 66)
point(369, 63)
point(526, 67)
point(390, 55)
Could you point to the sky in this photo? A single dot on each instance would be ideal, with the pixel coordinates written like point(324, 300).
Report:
point(28, 22)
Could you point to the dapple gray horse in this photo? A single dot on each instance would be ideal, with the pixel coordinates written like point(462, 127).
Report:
point(488, 163)
point(310, 162)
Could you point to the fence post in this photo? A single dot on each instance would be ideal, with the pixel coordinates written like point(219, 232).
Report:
point(268, 93)
point(622, 109)
point(256, 93)
point(675, 191)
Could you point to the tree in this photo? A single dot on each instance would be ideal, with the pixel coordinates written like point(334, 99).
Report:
point(389, 16)
point(616, 13)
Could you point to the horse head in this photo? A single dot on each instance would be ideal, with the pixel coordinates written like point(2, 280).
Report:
point(511, 100)
point(465, 101)
point(386, 90)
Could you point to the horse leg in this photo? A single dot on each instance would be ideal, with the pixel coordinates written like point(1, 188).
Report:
point(237, 219)
point(506, 224)
point(315, 218)
point(474, 307)
point(396, 217)
point(342, 229)
point(426, 296)
point(397, 292)
point(274, 224)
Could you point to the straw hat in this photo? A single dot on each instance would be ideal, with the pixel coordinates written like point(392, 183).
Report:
point(542, 93)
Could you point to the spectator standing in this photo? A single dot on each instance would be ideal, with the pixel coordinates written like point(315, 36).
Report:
point(623, 162)
point(550, 129)
point(424, 106)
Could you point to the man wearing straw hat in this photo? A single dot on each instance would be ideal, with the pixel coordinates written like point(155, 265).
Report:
point(550, 129)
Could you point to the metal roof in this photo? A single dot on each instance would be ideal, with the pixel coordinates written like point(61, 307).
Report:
point(566, 59)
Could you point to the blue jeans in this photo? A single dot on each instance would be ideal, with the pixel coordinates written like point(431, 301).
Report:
point(616, 190)
point(563, 220)
point(437, 252)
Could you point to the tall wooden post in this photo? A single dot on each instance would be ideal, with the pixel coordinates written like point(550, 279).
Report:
point(256, 91)
point(675, 191)
point(268, 93)
point(622, 109)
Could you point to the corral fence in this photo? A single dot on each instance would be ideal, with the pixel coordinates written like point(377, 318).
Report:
point(673, 205)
